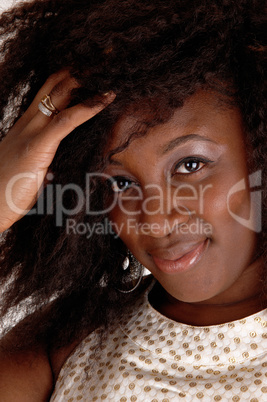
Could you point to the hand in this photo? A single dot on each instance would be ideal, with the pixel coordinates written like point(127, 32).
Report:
point(29, 148)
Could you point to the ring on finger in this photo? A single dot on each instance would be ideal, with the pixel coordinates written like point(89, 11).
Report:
point(46, 107)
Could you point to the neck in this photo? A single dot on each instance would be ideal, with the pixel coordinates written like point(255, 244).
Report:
point(207, 313)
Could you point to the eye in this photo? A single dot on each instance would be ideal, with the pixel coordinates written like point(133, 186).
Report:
point(190, 165)
point(120, 184)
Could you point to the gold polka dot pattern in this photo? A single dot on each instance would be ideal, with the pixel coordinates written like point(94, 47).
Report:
point(149, 358)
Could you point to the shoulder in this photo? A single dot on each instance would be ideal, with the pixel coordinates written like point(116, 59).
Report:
point(103, 340)
point(25, 376)
point(59, 356)
point(29, 375)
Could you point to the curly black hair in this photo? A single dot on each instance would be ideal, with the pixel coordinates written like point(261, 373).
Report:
point(152, 54)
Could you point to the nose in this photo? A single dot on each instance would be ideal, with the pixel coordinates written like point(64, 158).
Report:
point(160, 215)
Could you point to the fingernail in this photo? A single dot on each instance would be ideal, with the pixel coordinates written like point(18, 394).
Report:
point(108, 93)
point(109, 96)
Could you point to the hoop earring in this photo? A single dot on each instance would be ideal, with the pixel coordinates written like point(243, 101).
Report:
point(136, 269)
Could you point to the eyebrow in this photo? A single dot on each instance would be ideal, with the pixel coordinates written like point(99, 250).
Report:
point(182, 140)
point(172, 144)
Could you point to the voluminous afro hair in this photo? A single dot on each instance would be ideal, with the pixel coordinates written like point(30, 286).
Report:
point(154, 54)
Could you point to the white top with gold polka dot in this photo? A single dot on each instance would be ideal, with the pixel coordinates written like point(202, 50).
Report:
point(151, 358)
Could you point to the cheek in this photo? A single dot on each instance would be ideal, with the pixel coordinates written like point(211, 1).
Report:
point(227, 196)
point(230, 218)
point(238, 197)
point(124, 226)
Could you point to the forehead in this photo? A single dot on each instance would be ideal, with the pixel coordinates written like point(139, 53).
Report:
point(202, 111)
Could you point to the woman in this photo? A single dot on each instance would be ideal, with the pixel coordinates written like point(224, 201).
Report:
point(140, 148)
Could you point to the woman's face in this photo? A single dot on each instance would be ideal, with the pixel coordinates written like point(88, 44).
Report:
point(177, 208)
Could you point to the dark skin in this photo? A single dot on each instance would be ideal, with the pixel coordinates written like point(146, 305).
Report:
point(29, 376)
point(217, 279)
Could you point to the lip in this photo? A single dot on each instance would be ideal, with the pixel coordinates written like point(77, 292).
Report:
point(184, 262)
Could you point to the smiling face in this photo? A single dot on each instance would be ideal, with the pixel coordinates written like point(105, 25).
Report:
point(173, 207)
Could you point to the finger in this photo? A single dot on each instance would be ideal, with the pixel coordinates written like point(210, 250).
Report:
point(60, 96)
point(64, 123)
point(52, 82)
point(48, 86)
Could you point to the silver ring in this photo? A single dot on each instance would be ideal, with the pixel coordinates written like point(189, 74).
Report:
point(44, 110)
point(46, 106)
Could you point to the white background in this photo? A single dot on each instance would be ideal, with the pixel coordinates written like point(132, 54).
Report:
point(4, 4)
